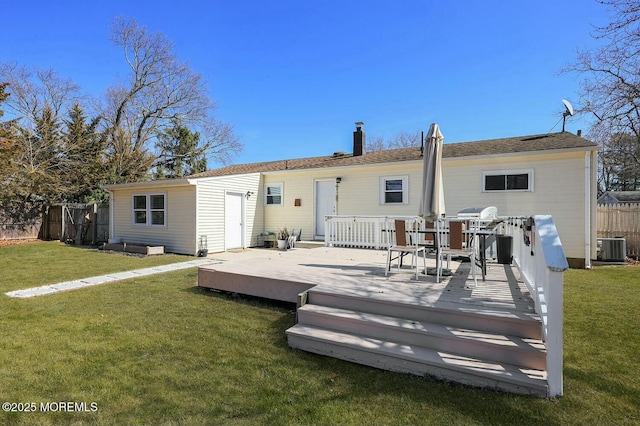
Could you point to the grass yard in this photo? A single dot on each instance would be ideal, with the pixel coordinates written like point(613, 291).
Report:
point(39, 263)
point(158, 350)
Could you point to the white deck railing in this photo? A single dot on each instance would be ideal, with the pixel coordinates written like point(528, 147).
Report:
point(360, 231)
point(538, 255)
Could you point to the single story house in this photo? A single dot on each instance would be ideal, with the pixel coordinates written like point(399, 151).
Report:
point(231, 207)
point(617, 197)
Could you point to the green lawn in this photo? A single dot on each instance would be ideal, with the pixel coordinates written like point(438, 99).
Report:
point(158, 350)
point(40, 263)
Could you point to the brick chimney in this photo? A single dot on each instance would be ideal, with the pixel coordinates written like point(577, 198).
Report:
point(359, 139)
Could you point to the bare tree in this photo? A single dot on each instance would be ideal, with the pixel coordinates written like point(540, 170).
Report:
point(158, 90)
point(610, 89)
point(399, 140)
point(34, 90)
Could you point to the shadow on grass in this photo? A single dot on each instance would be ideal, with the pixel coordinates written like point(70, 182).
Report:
point(244, 299)
point(278, 327)
point(606, 386)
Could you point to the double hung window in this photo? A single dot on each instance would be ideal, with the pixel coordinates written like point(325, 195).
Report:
point(149, 209)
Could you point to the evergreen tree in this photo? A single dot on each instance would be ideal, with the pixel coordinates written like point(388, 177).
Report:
point(41, 159)
point(84, 166)
point(7, 146)
point(180, 153)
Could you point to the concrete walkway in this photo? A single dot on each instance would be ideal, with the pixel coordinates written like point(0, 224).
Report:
point(103, 279)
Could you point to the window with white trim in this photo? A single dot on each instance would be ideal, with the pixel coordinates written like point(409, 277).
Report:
point(150, 209)
point(273, 195)
point(510, 180)
point(394, 190)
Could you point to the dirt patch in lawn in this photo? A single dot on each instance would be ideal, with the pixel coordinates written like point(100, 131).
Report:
point(5, 243)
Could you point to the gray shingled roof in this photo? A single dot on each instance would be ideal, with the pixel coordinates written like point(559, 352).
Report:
point(621, 196)
point(562, 140)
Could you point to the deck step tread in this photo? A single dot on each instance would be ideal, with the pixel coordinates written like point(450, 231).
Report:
point(499, 372)
point(501, 341)
point(416, 297)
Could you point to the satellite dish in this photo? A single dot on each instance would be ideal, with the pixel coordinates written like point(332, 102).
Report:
point(568, 112)
point(568, 106)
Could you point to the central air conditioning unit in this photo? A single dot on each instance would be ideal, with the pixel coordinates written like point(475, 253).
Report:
point(612, 249)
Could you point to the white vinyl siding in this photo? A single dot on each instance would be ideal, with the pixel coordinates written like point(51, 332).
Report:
point(358, 193)
point(177, 235)
point(211, 208)
point(463, 188)
point(195, 211)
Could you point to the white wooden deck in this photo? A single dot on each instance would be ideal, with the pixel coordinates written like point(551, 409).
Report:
point(281, 275)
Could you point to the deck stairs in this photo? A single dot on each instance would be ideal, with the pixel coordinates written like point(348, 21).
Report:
point(476, 345)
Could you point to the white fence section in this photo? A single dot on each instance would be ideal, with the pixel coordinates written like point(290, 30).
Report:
point(361, 231)
point(538, 255)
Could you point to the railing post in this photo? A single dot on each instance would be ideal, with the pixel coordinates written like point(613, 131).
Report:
point(541, 265)
point(554, 338)
point(327, 231)
point(548, 243)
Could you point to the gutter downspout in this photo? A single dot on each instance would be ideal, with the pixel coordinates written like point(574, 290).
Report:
point(587, 209)
point(112, 201)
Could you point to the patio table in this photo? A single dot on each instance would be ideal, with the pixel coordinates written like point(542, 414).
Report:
point(481, 233)
point(482, 247)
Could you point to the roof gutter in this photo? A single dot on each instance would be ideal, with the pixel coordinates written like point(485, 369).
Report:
point(519, 153)
point(167, 183)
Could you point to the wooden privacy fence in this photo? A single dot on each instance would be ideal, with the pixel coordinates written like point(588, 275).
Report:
point(620, 220)
point(20, 220)
point(77, 223)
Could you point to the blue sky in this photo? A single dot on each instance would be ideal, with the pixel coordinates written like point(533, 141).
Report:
point(292, 77)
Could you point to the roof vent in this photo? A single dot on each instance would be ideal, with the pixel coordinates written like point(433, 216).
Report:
point(339, 154)
point(534, 138)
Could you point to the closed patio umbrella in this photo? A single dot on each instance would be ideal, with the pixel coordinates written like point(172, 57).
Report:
point(432, 198)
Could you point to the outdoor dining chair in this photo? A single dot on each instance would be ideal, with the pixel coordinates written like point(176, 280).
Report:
point(402, 247)
point(454, 240)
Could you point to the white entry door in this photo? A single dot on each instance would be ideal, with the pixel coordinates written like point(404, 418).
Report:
point(233, 221)
point(325, 204)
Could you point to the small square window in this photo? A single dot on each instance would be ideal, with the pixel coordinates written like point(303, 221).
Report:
point(494, 183)
point(157, 202)
point(157, 218)
point(139, 202)
point(394, 190)
point(141, 217)
point(273, 194)
point(520, 181)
